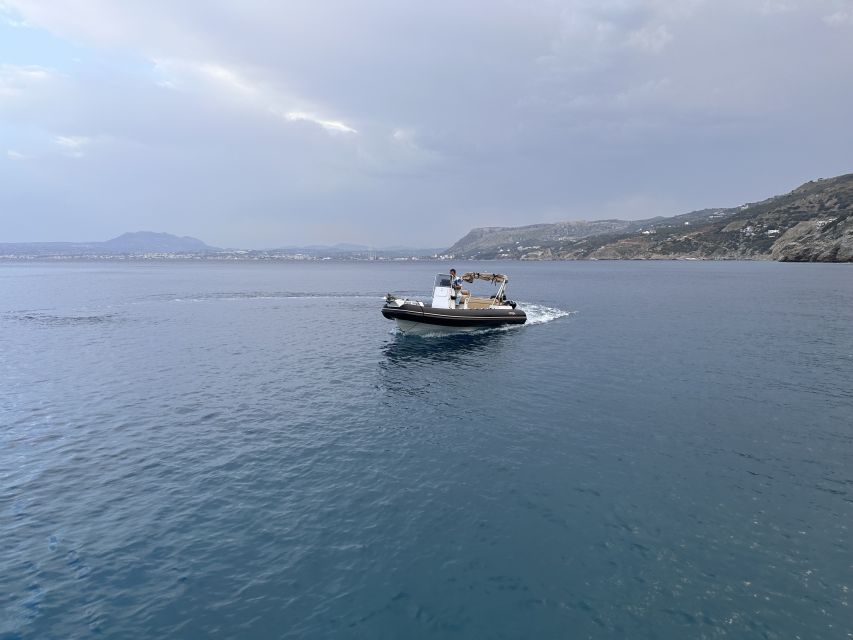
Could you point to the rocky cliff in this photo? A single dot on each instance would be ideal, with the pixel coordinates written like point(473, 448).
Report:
point(814, 222)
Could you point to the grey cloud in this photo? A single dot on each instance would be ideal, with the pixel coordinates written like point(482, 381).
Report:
point(389, 122)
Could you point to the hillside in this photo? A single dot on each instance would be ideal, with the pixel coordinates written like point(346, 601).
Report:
point(136, 243)
point(149, 241)
point(814, 222)
point(494, 239)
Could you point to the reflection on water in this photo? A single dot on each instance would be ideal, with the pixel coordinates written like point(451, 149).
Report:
point(416, 367)
point(445, 349)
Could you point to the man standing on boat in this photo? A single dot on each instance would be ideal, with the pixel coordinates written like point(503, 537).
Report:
point(455, 288)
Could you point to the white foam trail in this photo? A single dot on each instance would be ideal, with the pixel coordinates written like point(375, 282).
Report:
point(540, 314)
point(237, 297)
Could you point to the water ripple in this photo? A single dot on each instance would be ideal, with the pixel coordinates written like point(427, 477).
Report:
point(672, 460)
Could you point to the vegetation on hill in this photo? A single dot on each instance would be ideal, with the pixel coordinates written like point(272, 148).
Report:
point(814, 222)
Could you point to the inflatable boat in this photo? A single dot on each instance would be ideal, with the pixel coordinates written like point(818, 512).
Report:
point(454, 309)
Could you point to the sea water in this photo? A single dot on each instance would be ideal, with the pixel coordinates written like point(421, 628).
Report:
point(249, 450)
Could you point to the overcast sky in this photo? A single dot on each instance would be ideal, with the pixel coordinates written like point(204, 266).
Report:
point(257, 123)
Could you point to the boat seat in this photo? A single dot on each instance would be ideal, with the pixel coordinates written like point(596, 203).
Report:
point(479, 303)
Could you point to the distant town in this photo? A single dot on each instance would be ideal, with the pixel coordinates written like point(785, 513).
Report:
point(224, 256)
point(147, 245)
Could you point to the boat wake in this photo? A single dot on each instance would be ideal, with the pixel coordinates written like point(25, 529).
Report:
point(540, 314)
point(50, 320)
point(262, 295)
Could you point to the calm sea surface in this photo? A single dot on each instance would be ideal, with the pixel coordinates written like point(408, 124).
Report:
point(249, 451)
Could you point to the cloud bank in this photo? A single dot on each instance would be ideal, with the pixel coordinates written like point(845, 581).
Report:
point(408, 123)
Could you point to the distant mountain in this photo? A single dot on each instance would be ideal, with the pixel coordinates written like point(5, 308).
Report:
point(341, 247)
point(345, 250)
point(154, 245)
point(814, 222)
point(151, 242)
point(136, 243)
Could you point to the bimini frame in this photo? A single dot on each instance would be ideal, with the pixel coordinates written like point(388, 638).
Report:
point(498, 278)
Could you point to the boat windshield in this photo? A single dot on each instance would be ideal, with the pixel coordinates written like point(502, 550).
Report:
point(442, 280)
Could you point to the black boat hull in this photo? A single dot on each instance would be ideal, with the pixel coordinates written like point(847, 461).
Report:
point(415, 318)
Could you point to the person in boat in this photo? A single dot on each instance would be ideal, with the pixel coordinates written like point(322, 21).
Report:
point(455, 288)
